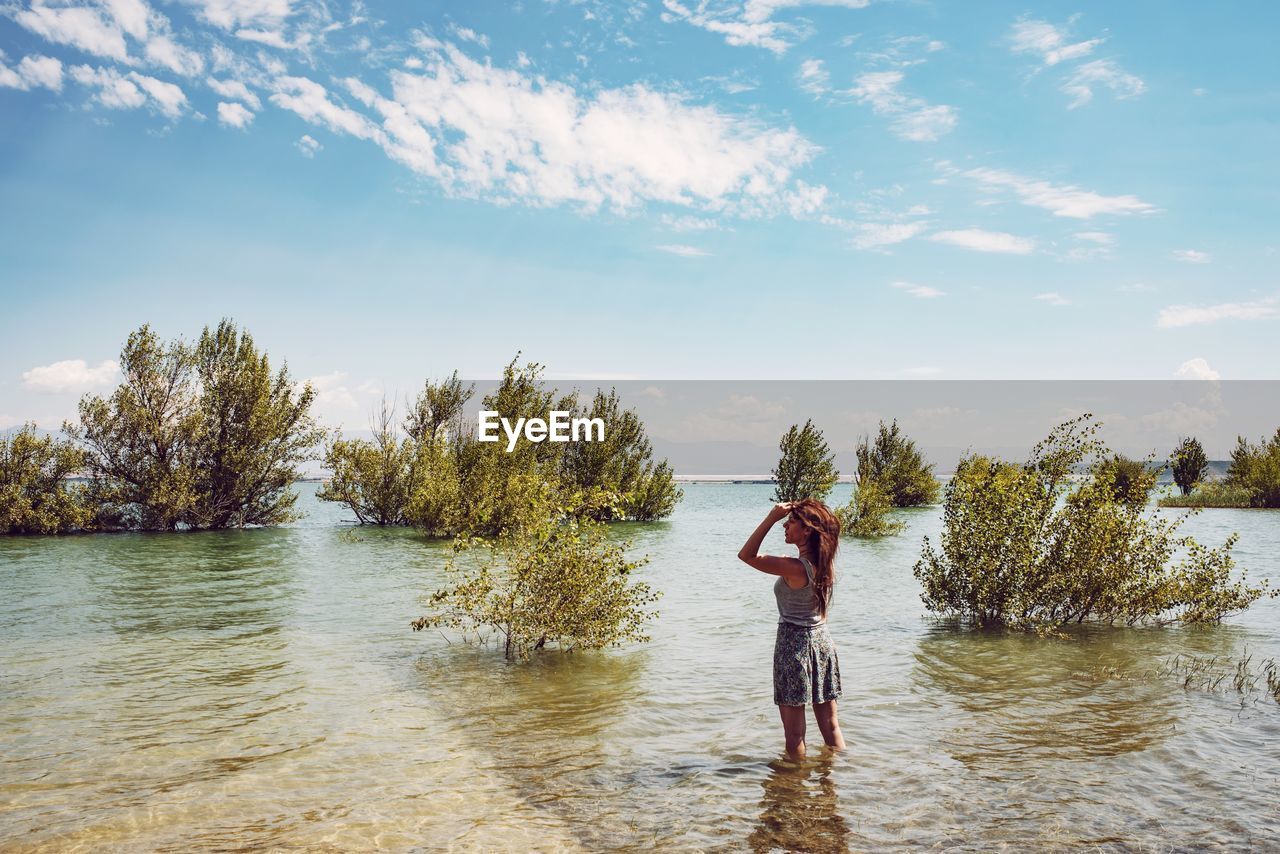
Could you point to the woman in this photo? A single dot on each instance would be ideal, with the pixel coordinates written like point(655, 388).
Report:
point(805, 667)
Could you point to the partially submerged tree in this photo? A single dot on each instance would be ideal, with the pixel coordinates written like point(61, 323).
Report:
point(806, 468)
point(373, 478)
point(256, 430)
point(1131, 480)
point(560, 584)
point(1021, 547)
point(866, 516)
point(140, 442)
point(1189, 464)
point(201, 437)
point(1256, 468)
point(35, 497)
point(895, 464)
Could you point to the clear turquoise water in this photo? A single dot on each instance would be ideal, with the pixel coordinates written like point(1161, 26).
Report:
point(262, 689)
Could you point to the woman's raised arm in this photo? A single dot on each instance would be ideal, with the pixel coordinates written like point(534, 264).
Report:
point(773, 565)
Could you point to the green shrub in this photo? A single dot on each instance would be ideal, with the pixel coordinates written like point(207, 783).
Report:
point(1021, 548)
point(35, 497)
point(1131, 480)
point(1213, 493)
point(866, 516)
point(1256, 468)
point(806, 468)
point(559, 583)
point(897, 466)
point(1189, 464)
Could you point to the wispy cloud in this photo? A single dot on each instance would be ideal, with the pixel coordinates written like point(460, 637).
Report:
point(873, 235)
point(683, 250)
point(308, 146)
point(487, 132)
point(914, 118)
point(1196, 369)
point(919, 291)
point(1048, 42)
point(1191, 256)
point(1105, 73)
point(1061, 200)
point(70, 375)
point(749, 24)
point(1053, 45)
point(1053, 298)
point(1189, 315)
point(813, 77)
point(986, 241)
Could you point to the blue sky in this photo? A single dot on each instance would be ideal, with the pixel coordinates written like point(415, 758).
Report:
point(768, 189)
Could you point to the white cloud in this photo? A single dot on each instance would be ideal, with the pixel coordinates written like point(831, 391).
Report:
point(70, 375)
point(919, 291)
point(986, 241)
point(749, 24)
point(81, 27)
point(233, 114)
point(167, 53)
point(234, 89)
point(308, 146)
point(1196, 369)
point(32, 71)
point(689, 223)
point(168, 97)
point(1101, 72)
point(1188, 315)
point(872, 235)
point(1101, 238)
point(683, 250)
point(115, 91)
point(487, 132)
point(813, 77)
point(1062, 200)
point(914, 118)
point(1048, 41)
point(1191, 256)
point(469, 35)
point(1053, 298)
point(230, 14)
point(331, 390)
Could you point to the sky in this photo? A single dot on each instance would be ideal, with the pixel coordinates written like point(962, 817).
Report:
point(768, 189)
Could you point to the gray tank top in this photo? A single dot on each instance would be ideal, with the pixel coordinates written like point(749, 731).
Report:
point(798, 606)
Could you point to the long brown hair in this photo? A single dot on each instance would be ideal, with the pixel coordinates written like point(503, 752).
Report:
point(823, 530)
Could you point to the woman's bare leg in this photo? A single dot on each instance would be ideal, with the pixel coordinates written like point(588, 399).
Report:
point(828, 724)
point(793, 728)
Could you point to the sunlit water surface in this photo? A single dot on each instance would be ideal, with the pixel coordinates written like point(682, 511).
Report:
point(262, 688)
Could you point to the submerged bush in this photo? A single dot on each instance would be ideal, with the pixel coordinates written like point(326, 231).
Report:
point(1189, 463)
point(35, 497)
point(866, 516)
point(1024, 547)
point(560, 583)
point(1214, 493)
point(895, 464)
point(806, 468)
point(1256, 468)
point(1131, 480)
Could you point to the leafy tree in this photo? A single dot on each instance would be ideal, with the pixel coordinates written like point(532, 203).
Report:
point(866, 516)
point(202, 437)
point(1256, 468)
point(34, 495)
point(140, 442)
point(806, 468)
point(1130, 479)
point(894, 463)
point(1020, 548)
point(617, 476)
point(438, 407)
point(255, 432)
point(1189, 463)
point(560, 583)
point(374, 479)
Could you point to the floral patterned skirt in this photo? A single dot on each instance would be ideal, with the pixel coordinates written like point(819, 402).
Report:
point(805, 666)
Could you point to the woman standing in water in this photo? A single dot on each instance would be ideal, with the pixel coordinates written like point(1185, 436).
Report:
point(805, 667)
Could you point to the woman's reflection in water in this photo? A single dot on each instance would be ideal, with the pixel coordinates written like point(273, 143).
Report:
point(800, 809)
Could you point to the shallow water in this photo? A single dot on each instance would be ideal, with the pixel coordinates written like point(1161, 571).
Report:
point(262, 689)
